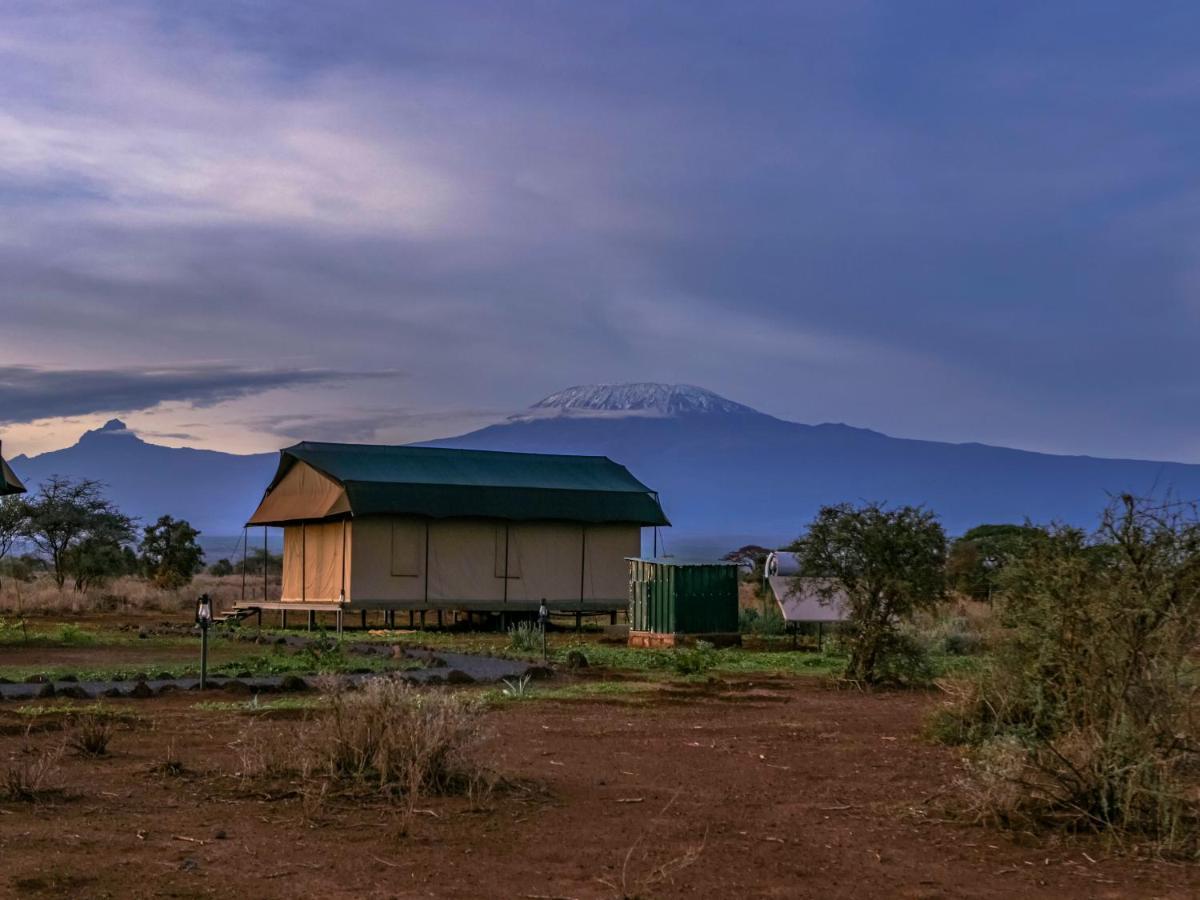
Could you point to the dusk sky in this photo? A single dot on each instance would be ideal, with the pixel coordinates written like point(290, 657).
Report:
point(239, 224)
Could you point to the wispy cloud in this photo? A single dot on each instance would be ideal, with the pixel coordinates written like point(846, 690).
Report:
point(28, 393)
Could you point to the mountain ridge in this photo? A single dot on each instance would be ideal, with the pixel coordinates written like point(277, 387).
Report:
point(724, 470)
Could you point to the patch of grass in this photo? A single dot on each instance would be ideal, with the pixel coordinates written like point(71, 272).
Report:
point(256, 705)
point(579, 691)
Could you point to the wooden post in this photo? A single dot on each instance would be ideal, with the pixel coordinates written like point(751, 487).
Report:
point(265, 567)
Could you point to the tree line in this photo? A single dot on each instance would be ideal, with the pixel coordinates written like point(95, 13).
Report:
point(80, 536)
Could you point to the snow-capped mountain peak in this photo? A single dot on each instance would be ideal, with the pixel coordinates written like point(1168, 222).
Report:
point(636, 399)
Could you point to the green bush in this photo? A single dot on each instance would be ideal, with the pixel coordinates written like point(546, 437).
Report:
point(694, 660)
point(767, 623)
point(1086, 716)
point(525, 637)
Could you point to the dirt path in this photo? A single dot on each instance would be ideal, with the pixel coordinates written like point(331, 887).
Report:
point(770, 789)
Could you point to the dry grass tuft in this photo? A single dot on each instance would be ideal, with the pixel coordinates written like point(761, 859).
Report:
point(32, 775)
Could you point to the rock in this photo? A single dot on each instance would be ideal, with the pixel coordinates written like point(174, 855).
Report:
point(576, 660)
point(164, 676)
point(397, 652)
point(36, 679)
point(292, 683)
point(73, 692)
point(112, 692)
point(219, 835)
point(457, 676)
point(141, 691)
point(539, 672)
point(169, 688)
point(143, 634)
point(243, 674)
point(46, 691)
point(68, 677)
point(280, 641)
point(233, 686)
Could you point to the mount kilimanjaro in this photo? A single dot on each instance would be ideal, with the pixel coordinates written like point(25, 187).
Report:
point(727, 474)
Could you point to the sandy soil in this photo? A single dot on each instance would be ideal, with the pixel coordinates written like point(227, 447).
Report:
point(771, 788)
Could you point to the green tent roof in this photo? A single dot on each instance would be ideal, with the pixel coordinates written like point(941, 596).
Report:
point(447, 483)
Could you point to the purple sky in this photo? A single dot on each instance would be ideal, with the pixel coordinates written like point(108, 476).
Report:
point(237, 224)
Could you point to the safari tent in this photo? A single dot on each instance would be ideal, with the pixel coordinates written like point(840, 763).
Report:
point(370, 527)
point(9, 482)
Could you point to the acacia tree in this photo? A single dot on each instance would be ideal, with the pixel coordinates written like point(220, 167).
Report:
point(977, 560)
point(170, 554)
point(12, 524)
point(76, 528)
point(888, 563)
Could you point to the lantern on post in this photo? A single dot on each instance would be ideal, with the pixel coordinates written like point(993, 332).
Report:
point(203, 620)
point(543, 617)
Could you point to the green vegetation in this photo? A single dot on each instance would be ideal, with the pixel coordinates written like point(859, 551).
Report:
point(1085, 718)
point(171, 557)
point(976, 562)
point(257, 705)
point(525, 637)
point(889, 564)
point(582, 690)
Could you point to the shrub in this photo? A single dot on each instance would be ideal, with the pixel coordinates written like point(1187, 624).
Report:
point(766, 623)
point(31, 776)
point(92, 734)
point(396, 740)
point(694, 660)
point(1085, 719)
point(885, 565)
point(525, 637)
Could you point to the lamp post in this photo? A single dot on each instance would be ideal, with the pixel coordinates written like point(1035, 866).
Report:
point(204, 619)
point(543, 616)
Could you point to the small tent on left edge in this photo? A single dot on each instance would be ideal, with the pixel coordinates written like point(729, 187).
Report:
point(9, 482)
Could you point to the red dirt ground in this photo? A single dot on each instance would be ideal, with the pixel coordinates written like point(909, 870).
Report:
point(773, 788)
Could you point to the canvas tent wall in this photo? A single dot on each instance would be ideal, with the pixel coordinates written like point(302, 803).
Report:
point(429, 528)
point(9, 482)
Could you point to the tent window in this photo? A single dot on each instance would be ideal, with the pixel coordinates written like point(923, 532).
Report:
point(506, 538)
point(408, 544)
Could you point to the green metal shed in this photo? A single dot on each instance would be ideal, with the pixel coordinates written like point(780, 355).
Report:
point(679, 597)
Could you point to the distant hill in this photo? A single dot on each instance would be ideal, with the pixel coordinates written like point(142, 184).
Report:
point(726, 473)
point(214, 491)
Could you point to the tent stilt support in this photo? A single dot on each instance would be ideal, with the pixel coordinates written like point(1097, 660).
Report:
point(578, 622)
point(422, 620)
point(283, 618)
point(820, 637)
point(410, 618)
point(312, 620)
point(612, 617)
point(439, 614)
point(364, 620)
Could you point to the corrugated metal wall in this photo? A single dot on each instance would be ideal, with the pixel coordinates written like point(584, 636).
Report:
point(682, 599)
